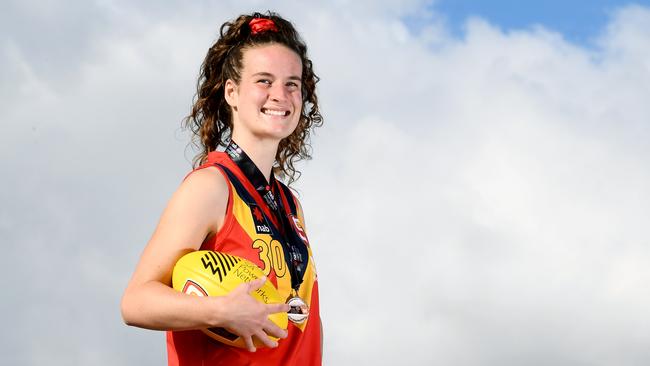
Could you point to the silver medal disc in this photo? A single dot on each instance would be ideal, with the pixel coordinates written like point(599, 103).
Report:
point(299, 310)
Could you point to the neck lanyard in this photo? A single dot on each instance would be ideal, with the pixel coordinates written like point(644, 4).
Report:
point(295, 250)
point(253, 174)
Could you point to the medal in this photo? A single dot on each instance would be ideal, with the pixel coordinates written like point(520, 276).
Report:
point(299, 311)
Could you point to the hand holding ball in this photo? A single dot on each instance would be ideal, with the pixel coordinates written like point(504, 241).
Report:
point(211, 273)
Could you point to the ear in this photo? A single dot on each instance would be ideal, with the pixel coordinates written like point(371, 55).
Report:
point(231, 94)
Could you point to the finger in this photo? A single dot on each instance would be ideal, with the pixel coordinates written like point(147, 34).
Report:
point(251, 286)
point(266, 340)
point(277, 308)
point(248, 340)
point(256, 284)
point(273, 330)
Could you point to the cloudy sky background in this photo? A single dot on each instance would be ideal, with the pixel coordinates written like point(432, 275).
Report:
point(479, 193)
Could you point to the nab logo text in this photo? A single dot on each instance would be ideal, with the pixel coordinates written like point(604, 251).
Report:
point(263, 229)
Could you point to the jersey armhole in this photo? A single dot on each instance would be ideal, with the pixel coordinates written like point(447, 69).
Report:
point(212, 242)
point(296, 202)
point(299, 212)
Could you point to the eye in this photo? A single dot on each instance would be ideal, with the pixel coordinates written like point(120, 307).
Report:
point(264, 81)
point(293, 85)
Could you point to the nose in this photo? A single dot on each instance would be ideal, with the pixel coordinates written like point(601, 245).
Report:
point(278, 92)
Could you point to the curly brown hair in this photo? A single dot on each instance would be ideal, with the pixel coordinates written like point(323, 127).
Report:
point(211, 120)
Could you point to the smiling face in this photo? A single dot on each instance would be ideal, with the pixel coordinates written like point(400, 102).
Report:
point(267, 102)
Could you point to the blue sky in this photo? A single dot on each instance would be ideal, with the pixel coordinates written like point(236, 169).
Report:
point(578, 20)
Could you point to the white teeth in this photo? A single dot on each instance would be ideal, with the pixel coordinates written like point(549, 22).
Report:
point(274, 113)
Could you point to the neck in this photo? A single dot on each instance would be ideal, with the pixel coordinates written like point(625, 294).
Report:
point(261, 152)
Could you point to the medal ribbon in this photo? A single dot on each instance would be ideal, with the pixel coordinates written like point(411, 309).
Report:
point(295, 251)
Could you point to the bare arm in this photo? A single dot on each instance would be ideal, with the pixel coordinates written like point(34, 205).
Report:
point(195, 211)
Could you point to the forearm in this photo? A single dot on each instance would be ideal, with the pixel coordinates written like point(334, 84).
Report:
point(153, 305)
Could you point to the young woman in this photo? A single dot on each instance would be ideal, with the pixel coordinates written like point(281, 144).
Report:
point(256, 98)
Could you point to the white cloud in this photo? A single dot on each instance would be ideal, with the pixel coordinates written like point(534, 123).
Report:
point(493, 189)
point(504, 184)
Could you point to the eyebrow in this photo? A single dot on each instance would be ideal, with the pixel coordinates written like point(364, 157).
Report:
point(268, 74)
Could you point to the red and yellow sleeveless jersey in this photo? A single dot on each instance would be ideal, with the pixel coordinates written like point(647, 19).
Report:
point(242, 236)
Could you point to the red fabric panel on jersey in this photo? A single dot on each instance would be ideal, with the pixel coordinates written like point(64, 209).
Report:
point(240, 236)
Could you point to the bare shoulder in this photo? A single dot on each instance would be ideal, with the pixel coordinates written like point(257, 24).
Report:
point(207, 182)
point(203, 195)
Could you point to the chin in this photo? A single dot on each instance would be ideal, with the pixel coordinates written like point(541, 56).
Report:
point(283, 132)
point(282, 136)
point(275, 129)
point(276, 135)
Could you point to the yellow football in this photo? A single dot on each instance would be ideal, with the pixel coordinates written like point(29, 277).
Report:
point(212, 273)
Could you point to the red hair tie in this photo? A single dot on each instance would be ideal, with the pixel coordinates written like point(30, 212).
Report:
point(258, 25)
